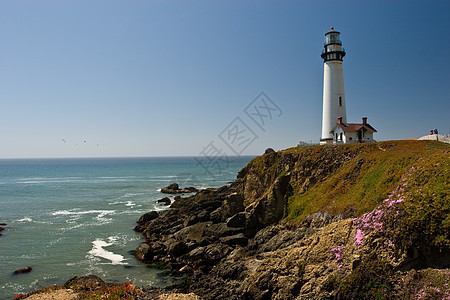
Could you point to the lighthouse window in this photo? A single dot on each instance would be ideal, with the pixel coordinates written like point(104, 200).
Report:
point(340, 101)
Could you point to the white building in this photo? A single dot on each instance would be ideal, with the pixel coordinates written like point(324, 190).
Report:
point(335, 128)
point(344, 133)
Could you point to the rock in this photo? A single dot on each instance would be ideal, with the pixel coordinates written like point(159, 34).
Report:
point(2, 228)
point(3, 224)
point(178, 248)
point(150, 251)
point(269, 150)
point(190, 221)
point(24, 270)
point(171, 189)
point(144, 220)
point(84, 282)
point(236, 221)
point(142, 252)
point(238, 239)
point(147, 217)
point(174, 188)
point(190, 190)
point(164, 201)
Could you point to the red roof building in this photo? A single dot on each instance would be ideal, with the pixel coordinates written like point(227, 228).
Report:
point(344, 133)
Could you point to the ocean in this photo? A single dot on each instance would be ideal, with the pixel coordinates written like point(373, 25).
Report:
point(72, 217)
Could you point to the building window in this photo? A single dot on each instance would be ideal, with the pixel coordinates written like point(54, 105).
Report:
point(340, 101)
point(336, 136)
point(340, 136)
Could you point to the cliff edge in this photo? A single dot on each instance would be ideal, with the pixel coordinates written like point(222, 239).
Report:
point(358, 221)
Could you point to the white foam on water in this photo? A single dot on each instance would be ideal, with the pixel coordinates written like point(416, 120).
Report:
point(98, 251)
point(26, 219)
point(158, 190)
point(101, 213)
point(128, 195)
point(127, 203)
point(160, 208)
point(37, 180)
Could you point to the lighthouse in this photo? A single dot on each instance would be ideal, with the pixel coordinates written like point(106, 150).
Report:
point(333, 86)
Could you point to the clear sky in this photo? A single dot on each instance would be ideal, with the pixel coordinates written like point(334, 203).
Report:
point(154, 78)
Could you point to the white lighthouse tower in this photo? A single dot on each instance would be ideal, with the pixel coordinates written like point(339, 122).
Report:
point(333, 85)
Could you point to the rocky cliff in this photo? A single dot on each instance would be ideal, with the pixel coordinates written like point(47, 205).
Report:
point(326, 222)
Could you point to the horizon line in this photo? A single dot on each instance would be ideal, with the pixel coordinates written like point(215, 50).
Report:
point(112, 157)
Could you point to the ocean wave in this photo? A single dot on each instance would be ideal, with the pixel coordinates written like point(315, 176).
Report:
point(127, 203)
point(26, 219)
point(100, 213)
point(128, 195)
point(99, 251)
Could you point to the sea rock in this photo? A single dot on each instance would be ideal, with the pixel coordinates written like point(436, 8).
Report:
point(2, 228)
point(3, 224)
point(174, 188)
point(142, 253)
point(164, 201)
point(24, 270)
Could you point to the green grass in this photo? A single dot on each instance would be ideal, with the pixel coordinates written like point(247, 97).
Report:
point(346, 188)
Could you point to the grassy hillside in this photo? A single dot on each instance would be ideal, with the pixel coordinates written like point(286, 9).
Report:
point(369, 175)
point(353, 179)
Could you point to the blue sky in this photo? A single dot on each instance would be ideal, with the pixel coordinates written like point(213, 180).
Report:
point(155, 78)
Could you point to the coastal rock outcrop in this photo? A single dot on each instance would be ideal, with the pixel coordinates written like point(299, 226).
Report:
point(324, 222)
point(174, 188)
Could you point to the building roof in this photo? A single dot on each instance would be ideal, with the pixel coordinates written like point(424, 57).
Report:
point(352, 127)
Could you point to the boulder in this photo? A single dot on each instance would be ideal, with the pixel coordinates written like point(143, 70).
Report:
point(142, 252)
point(171, 189)
point(174, 188)
point(24, 270)
point(269, 150)
point(150, 252)
point(147, 217)
point(164, 201)
point(178, 248)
